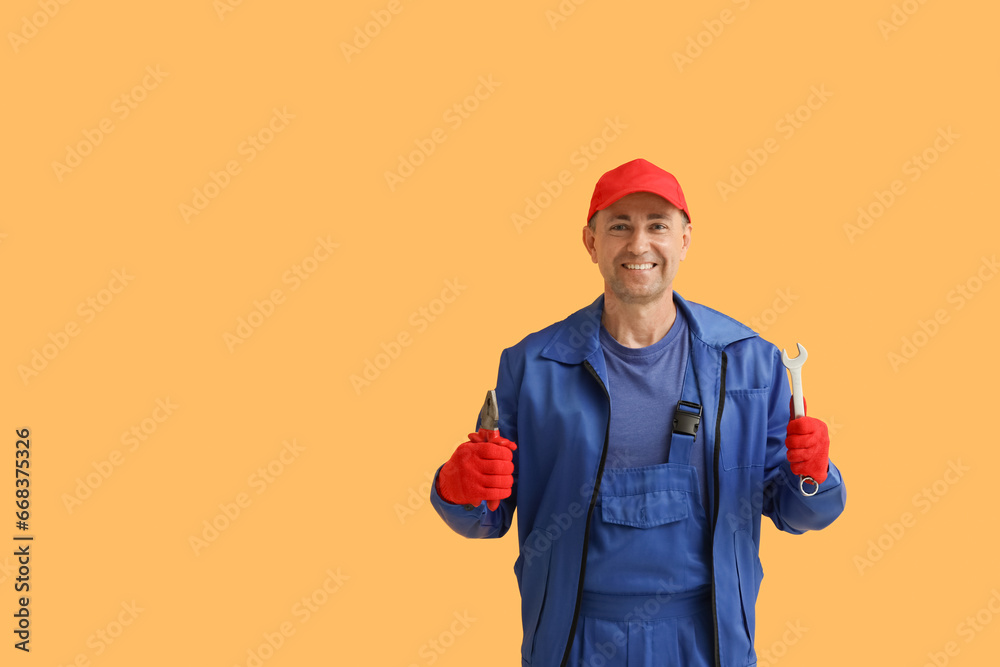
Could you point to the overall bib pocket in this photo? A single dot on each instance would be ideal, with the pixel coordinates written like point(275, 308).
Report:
point(648, 496)
point(645, 510)
point(650, 532)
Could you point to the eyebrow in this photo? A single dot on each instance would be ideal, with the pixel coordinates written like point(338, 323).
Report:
point(651, 216)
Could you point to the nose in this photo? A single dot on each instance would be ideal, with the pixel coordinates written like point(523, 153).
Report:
point(638, 243)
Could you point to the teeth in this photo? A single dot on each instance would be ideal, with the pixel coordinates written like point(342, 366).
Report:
point(648, 265)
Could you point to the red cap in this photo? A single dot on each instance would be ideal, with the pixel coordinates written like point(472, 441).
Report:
point(636, 176)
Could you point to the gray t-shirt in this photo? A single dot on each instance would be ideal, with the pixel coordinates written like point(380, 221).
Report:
point(645, 385)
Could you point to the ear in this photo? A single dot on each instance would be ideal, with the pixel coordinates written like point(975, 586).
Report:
point(588, 242)
point(686, 241)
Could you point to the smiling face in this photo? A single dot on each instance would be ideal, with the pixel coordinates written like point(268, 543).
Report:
point(638, 243)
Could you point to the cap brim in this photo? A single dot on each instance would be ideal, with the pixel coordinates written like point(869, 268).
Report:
point(611, 199)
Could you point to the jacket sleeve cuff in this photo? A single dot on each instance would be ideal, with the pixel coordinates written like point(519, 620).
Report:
point(813, 512)
point(832, 481)
point(446, 509)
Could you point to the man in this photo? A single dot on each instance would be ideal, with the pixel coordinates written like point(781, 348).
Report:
point(643, 437)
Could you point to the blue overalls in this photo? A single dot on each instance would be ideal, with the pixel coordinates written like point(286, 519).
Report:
point(649, 560)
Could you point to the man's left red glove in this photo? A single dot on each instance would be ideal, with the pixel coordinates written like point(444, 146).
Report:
point(808, 446)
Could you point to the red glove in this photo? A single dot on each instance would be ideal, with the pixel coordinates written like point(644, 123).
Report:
point(478, 470)
point(808, 446)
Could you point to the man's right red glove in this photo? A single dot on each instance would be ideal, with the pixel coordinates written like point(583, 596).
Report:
point(479, 470)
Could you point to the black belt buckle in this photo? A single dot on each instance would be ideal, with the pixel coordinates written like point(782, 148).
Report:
point(687, 422)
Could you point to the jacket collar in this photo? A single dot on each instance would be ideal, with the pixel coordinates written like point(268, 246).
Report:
point(577, 337)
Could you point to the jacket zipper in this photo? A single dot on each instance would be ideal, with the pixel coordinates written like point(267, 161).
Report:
point(586, 528)
point(715, 508)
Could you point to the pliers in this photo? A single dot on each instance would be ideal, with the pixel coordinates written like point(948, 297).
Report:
point(489, 418)
point(489, 431)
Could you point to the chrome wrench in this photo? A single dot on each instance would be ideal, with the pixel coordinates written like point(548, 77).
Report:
point(794, 367)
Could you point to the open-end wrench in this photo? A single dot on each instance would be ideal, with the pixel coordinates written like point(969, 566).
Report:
point(794, 367)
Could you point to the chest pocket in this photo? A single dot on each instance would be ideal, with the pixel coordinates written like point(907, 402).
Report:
point(744, 428)
point(647, 496)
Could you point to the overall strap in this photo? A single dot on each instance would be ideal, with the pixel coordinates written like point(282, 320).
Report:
point(687, 417)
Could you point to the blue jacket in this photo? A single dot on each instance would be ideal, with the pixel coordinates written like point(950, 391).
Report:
point(551, 393)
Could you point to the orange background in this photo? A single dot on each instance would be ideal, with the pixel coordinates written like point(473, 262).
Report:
point(348, 507)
